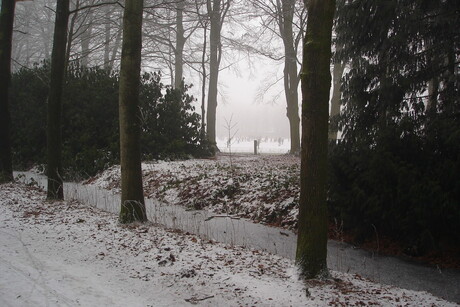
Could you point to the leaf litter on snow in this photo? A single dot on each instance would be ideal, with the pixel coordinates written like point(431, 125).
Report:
point(261, 188)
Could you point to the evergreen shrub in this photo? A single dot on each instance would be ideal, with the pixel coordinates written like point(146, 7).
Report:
point(170, 127)
point(396, 171)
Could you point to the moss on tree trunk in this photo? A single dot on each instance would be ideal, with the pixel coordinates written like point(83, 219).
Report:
point(132, 197)
point(316, 82)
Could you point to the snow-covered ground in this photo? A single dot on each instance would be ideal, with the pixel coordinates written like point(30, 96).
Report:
point(68, 254)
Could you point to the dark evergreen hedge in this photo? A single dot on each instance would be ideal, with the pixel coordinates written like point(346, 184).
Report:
point(396, 172)
point(171, 128)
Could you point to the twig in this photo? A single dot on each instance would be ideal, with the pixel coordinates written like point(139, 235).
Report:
point(195, 300)
point(229, 216)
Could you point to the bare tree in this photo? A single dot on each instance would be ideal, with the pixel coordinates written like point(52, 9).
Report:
point(217, 11)
point(286, 10)
point(168, 28)
point(316, 82)
point(54, 133)
point(94, 32)
point(204, 25)
point(283, 19)
point(132, 195)
point(33, 35)
point(180, 42)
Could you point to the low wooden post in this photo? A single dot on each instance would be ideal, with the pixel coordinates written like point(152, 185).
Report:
point(255, 147)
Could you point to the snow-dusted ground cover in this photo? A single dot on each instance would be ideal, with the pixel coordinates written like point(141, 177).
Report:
point(261, 188)
point(68, 254)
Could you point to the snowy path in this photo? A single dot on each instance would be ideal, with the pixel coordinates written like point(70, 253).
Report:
point(341, 257)
point(35, 275)
point(42, 265)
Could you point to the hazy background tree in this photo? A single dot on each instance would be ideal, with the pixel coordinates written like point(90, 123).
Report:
point(280, 25)
point(286, 19)
point(6, 34)
point(112, 35)
point(132, 194)
point(33, 35)
point(204, 22)
point(337, 73)
point(316, 83)
point(217, 11)
point(167, 31)
point(94, 32)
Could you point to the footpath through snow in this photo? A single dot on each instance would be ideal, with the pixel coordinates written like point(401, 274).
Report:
point(68, 254)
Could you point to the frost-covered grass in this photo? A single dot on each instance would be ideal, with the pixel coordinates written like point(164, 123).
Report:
point(262, 188)
point(68, 254)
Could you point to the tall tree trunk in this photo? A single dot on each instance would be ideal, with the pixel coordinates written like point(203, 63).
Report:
point(291, 79)
point(70, 35)
point(203, 78)
point(115, 51)
point(107, 38)
point(180, 42)
point(292, 110)
point(27, 62)
point(316, 82)
point(132, 195)
point(335, 100)
point(45, 41)
point(433, 91)
point(6, 34)
point(214, 10)
point(54, 133)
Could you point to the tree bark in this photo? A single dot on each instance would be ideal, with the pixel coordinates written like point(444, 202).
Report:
point(316, 82)
point(54, 133)
point(132, 196)
point(6, 34)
